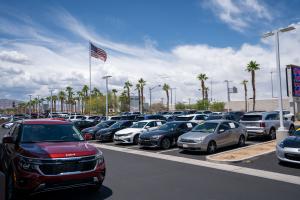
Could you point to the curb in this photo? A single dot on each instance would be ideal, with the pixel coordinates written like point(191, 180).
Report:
point(210, 159)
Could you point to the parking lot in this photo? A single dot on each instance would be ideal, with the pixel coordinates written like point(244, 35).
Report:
point(135, 173)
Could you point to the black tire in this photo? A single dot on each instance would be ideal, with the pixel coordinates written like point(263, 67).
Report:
point(165, 143)
point(136, 139)
point(211, 147)
point(272, 134)
point(95, 188)
point(242, 141)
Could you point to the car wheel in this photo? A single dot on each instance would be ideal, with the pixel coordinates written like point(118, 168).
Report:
point(211, 147)
point(136, 139)
point(242, 141)
point(272, 134)
point(165, 143)
point(96, 188)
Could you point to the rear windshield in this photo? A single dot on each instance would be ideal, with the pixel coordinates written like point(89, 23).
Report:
point(50, 133)
point(183, 118)
point(251, 118)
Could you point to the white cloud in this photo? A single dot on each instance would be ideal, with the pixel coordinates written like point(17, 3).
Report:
point(65, 62)
point(239, 14)
point(13, 56)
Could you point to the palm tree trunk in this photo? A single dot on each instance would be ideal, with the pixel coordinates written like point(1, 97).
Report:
point(203, 88)
point(142, 99)
point(246, 102)
point(128, 100)
point(168, 100)
point(253, 87)
point(139, 94)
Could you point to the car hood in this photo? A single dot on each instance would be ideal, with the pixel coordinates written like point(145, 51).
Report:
point(292, 142)
point(57, 149)
point(153, 133)
point(194, 135)
point(106, 130)
point(129, 130)
point(88, 129)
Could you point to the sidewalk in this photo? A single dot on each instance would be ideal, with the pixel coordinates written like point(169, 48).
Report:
point(244, 153)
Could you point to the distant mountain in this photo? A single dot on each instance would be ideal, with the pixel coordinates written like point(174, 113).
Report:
point(8, 103)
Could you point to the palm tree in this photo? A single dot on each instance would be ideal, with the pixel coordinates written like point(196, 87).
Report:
point(114, 91)
point(80, 100)
point(61, 97)
point(127, 86)
point(84, 91)
point(166, 88)
point(206, 93)
point(252, 66)
point(244, 82)
point(142, 83)
point(69, 91)
point(138, 88)
point(96, 92)
point(48, 99)
point(54, 99)
point(202, 78)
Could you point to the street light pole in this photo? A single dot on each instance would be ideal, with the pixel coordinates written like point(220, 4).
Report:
point(150, 94)
point(228, 95)
point(30, 106)
point(106, 104)
point(272, 83)
point(281, 132)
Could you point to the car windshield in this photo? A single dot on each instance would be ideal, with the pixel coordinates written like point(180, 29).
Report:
point(139, 125)
point(184, 118)
point(213, 117)
point(102, 125)
point(208, 127)
point(50, 133)
point(251, 118)
point(117, 125)
point(168, 126)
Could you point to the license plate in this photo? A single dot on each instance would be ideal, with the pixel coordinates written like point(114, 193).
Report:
point(185, 145)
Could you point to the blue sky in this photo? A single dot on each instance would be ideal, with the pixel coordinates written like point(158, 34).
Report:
point(141, 37)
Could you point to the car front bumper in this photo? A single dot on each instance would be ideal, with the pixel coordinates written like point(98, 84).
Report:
point(291, 155)
point(149, 142)
point(192, 146)
point(34, 182)
point(123, 139)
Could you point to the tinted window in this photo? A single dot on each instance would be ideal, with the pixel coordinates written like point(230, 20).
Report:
point(50, 133)
point(16, 131)
point(200, 117)
point(151, 124)
point(213, 117)
point(251, 118)
point(272, 117)
point(224, 126)
point(168, 126)
point(139, 125)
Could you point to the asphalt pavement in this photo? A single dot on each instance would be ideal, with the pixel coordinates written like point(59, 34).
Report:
point(131, 177)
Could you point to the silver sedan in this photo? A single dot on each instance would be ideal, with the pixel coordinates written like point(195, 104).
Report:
point(289, 149)
point(213, 134)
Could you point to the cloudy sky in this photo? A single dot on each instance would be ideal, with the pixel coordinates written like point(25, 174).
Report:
point(44, 44)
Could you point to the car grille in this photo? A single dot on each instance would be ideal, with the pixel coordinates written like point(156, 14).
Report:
point(68, 165)
point(291, 156)
point(187, 140)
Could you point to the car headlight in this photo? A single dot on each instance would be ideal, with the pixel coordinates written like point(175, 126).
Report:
point(99, 157)
point(127, 134)
point(156, 136)
point(281, 144)
point(28, 164)
point(199, 139)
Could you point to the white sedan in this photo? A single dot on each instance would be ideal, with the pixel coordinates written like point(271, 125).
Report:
point(131, 135)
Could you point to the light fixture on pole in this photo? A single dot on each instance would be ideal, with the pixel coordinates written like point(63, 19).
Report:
point(106, 104)
point(150, 93)
point(281, 132)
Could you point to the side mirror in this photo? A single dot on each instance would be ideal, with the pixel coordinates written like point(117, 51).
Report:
point(147, 127)
point(8, 140)
point(221, 131)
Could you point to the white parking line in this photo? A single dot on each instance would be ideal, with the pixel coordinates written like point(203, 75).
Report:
point(225, 167)
point(164, 151)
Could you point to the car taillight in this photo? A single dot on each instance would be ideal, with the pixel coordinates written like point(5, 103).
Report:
point(262, 124)
point(88, 136)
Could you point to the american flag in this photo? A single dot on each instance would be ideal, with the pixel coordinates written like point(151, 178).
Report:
point(98, 53)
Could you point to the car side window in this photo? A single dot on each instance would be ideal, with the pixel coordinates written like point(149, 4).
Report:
point(199, 117)
point(224, 126)
point(272, 117)
point(127, 124)
point(159, 123)
point(151, 124)
point(182, 126)
point(12, 129)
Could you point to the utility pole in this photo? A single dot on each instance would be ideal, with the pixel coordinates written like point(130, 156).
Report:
point(189, 102)
point(211, 90)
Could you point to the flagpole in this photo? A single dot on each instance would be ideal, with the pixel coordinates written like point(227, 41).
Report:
point(90, 107)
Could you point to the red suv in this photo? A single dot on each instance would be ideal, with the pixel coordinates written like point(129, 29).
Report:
point(45, 155)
